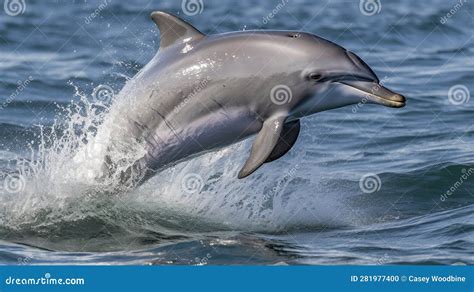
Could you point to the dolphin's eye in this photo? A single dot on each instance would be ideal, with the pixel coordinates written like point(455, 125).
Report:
point(315, 76)
point(294, 35)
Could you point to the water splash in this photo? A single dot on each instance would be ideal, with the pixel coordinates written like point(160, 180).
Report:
point(65, 165)
point(65, 184)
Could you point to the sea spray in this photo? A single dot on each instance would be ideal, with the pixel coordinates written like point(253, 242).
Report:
point(68, 181)
point(64, 165)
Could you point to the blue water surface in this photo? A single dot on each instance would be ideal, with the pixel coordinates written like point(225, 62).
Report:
point(363, 185)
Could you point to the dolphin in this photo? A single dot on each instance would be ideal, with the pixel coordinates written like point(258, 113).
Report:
point(203, 92)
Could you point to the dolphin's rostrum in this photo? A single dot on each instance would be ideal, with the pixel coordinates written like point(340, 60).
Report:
point(201, 92)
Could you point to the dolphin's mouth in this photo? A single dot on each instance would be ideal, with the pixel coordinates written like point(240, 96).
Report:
point(376, 93)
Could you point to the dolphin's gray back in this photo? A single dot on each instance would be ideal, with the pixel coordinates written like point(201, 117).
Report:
point(202, 92)
point(202, 99)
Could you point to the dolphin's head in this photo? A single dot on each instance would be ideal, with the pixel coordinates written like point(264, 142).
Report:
point(333, 77)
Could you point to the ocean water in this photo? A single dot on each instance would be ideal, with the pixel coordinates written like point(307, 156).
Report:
point(363, 185)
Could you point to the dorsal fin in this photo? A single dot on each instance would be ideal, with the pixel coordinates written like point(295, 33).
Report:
point(173, 29)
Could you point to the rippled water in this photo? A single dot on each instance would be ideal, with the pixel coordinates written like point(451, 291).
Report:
point(309, 207)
